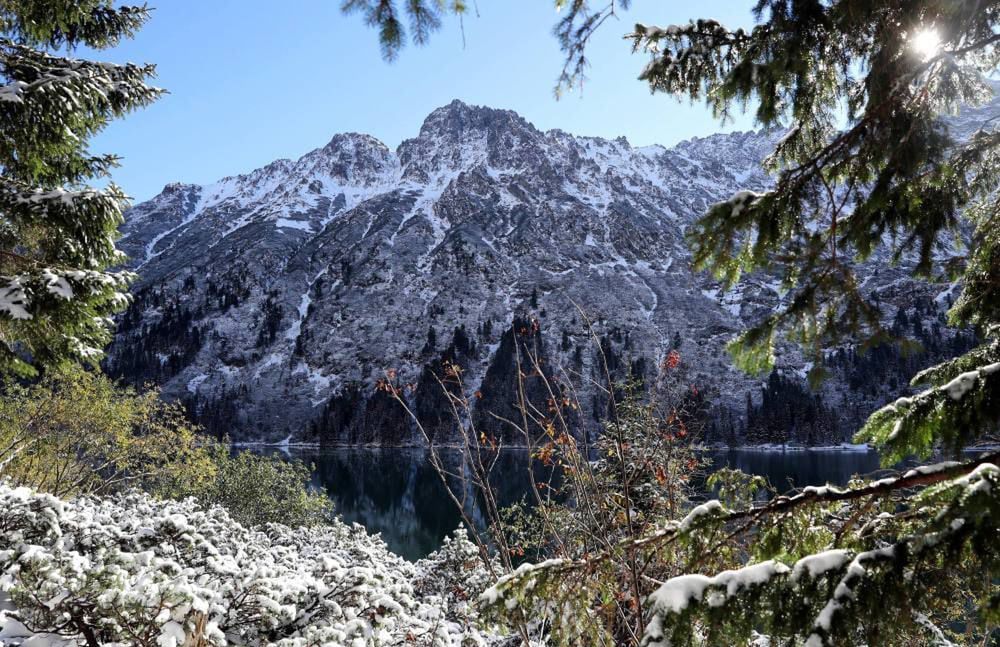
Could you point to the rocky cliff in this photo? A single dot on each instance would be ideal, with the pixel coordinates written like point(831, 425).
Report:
point(272, 302)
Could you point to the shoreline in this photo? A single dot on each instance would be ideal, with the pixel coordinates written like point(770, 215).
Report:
point(763, 448)
point(862, 448)
point(285, 444)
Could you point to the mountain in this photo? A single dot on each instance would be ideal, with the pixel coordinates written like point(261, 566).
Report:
point(271, 303)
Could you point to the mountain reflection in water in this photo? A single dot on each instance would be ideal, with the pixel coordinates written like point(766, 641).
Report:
point(397, 493)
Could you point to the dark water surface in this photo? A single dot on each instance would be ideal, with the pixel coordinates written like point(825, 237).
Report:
point(396, 492)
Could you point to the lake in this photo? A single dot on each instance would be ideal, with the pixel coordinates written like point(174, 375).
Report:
point(396, 492)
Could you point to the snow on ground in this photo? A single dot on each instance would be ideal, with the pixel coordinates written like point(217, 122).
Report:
point(14, 634)
point(777, 447)
point(151, 252)
point(287, 223)
point(272, 359)
point(295, 329)
point(195, 382)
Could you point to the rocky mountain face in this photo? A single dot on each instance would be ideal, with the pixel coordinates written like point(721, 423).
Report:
point(271, 303)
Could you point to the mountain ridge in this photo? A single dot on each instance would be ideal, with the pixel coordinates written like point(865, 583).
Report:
point(303, 281)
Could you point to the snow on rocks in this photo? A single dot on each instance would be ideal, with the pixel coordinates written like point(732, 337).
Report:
point(195, 382)
point(398, 233)
point(175, 572)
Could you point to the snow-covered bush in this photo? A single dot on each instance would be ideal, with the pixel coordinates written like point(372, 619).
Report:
point(132, 570)
point(872, 563)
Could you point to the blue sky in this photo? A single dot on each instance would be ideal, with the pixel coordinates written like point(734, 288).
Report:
point(253, 80)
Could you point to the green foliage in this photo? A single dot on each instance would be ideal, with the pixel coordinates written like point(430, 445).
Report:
point(385, 15)
point(789, 411)
point(893, 176)
point(57, 235)
point(58, 23)
point(258, 489)
point(734, 488)
point(578, 24)
point(74, 432)
point(867, 163)
point(868, 564)
point(962, 405)
point(841, 595)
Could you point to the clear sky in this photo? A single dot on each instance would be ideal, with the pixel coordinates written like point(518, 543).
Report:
point(251, 81)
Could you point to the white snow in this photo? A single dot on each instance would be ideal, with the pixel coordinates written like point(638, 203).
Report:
point(196, 569)
point(958, 387)
point(942, 298)
point(296, 328)
point(171, 635)
point(924, 470)
point(677, 593)
point(820, 563)
point(13, 299)
point(195, 382)
point(497, 592)
point(321, 386)
point(56, 284)
point(12, 91)
point(739, 201)
point(271, 360)
point(287, 223)
point(709, 508)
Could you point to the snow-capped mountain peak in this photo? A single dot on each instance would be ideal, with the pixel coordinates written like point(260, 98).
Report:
point(303, 281)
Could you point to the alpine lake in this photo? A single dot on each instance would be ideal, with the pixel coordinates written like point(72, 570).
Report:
point(397, 493)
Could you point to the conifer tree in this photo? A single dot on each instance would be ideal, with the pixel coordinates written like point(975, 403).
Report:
point(57, 233)
point(579, 21)
point(861, 89)
point(424, 17)
point(885, 170)
point(867, 161)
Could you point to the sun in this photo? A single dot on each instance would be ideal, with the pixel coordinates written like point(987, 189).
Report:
point(926, 43)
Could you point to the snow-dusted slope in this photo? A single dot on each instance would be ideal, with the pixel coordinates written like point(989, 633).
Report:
point(290, 290)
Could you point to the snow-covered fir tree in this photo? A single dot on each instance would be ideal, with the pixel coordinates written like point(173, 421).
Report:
point(57, 233)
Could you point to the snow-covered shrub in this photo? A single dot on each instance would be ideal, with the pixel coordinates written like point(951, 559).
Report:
point(453, 575)
point(132, 570)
